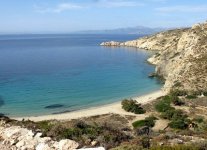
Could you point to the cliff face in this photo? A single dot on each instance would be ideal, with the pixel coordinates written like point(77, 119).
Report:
point(181, 57)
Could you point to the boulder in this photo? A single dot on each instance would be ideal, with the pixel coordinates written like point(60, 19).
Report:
point(67, 145)
point(43, 146)
point(98, 148)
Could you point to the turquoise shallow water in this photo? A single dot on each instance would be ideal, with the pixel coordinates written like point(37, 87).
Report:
point(46, 74)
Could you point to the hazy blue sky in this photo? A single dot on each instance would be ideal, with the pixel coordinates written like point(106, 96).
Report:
point(38, 16)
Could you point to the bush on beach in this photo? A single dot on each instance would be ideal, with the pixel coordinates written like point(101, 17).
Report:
point(132, 106)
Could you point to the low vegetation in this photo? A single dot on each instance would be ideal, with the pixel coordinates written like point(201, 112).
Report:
point(177, 101)
point(175, 147)
point(180, 123)
point(198, 119)
point(164, 104)
point(132, 106)
point(107, 133)
point(205, 93)
point(148, 121)
point(84, 133)
point(178, 119)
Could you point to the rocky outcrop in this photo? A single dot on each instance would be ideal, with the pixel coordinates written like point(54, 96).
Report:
point(181, 56)
point(18, 138)
point(111, 43)
point(15, 137)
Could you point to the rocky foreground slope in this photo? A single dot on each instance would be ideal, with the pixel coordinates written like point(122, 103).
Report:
point(19, 138)
point(181, 57)
point(15, 137)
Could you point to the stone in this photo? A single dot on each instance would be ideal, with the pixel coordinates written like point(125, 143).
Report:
point(67, 145)
point(43, 146)
point(94, 143)
point(176, 141)
point(161, 143)
point(13, 141)
point(143, 131)
point(44, 140)
point(38, 135)
point(98, 148)
point(20, 144)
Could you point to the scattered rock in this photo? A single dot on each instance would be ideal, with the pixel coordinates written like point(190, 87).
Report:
point(43, 146)
point(15, 137)
point(152, 75)
point(143, 131)
point(176, 141)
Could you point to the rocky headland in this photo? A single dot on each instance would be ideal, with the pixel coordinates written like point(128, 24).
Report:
point(181, 57)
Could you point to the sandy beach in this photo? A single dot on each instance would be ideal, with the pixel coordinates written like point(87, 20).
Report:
point(99, 110)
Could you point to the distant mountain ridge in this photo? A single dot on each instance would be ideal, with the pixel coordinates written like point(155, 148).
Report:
point(129, 30)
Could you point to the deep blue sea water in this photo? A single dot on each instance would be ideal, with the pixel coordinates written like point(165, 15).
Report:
point(46, 74)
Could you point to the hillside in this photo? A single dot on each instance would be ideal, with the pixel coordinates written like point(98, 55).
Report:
point(181, 57)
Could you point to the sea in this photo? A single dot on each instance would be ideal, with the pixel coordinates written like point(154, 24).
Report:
point(57, 73)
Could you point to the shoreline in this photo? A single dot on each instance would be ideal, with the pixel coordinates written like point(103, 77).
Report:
point(94, 111)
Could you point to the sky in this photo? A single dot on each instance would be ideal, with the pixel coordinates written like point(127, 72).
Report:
point(64, 16)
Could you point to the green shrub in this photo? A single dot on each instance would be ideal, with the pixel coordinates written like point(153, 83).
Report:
point(173, 114)
point(168, 114)
point(179, 114)
point(181, 123)
point(148, 121)
point(164, 104)
point(145, 142)
point(178, 93)
point(177, 102)
point(132, 106)
point(71, 133)
point(191, 96)
point(167, 98)
point(198, 119)
point(178, 118)
point(45, 126)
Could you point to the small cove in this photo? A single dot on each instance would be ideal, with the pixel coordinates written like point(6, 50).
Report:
point(69, 72)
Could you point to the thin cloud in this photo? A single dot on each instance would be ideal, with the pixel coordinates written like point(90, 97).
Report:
point(117, 3)
point(182, 8)
point(93, 4)
point(58, 9)
point(163, 1)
